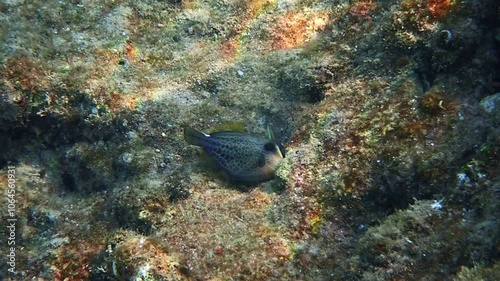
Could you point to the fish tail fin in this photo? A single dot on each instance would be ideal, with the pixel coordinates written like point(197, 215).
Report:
point(194, 137)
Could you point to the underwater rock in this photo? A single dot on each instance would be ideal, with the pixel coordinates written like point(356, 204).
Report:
point(129, 256)
point(491, 104)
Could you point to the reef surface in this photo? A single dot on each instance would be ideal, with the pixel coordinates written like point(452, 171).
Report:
point(389, 113)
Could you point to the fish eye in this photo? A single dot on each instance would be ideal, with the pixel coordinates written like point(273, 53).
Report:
point(269, 146)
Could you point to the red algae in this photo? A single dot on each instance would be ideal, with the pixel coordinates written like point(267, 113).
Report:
point(363, 10)
point(295, 28)
point(439, 8)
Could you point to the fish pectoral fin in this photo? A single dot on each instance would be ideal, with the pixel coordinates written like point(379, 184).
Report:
point(224, 176)
point(262, 161)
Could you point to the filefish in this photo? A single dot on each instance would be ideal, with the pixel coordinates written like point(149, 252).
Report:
point(243, 157)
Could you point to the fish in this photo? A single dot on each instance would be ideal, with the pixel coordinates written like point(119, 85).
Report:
point(243, 157)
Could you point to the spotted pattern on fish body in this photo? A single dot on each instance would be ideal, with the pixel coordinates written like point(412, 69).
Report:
point(244, 157)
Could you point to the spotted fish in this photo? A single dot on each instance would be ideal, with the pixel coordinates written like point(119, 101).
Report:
point(243, 157)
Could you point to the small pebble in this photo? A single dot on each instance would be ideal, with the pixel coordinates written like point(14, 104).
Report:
point(490, 104)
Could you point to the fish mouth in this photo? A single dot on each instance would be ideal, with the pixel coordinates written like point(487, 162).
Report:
point(272, 163)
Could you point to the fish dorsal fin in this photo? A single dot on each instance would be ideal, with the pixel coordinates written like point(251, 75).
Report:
point(232, 126)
